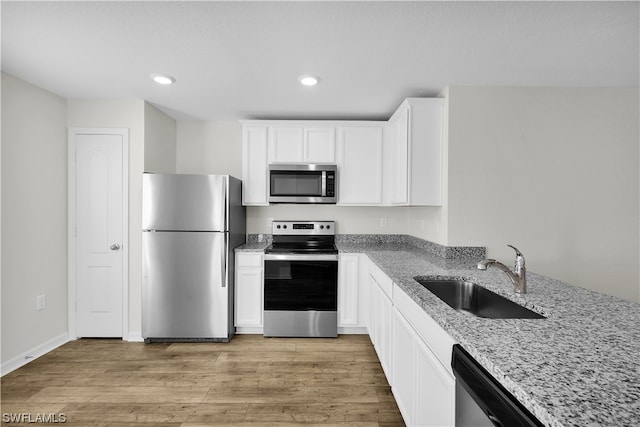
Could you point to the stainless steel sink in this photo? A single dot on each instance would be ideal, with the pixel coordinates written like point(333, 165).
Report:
point(468, 297)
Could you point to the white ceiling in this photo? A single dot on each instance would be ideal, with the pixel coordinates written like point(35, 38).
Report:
point(235, 60)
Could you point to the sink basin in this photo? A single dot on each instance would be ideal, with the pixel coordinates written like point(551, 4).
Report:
point(468, 297)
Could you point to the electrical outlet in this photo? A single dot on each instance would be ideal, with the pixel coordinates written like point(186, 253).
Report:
point(383, 222)
point(41, 302)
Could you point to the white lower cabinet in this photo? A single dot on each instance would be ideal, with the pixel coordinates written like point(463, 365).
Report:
point(424, 385)
point(414, 352)
point(248, 292)
point(435, 390)
point(424, 390)
point(352, 297)
point(404, 368)
point(381, 320)
point(384, 333)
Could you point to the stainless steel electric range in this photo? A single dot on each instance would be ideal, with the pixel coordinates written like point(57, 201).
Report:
point(301, 280)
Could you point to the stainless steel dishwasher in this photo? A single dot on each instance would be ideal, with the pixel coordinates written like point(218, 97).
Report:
point(481, 401)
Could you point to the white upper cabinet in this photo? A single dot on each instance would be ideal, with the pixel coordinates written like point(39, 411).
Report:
point(254, 165)
point(380, 163)
point(360, 153)
point(415, 166)
point(399, 166)
point(285, 144)
point(319, 145)
point(290, 143)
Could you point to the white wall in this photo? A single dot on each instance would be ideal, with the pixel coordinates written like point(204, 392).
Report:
point(209, 147)
point(350, 219)
point(122, 114)
point(553, 171)
point(34, 217)
point(159, 141)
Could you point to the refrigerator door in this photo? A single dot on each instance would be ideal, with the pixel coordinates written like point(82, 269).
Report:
point(184, 202)
point(185, 294)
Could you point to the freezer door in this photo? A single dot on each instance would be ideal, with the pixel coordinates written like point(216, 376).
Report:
point(184, 202)
point(185, 293)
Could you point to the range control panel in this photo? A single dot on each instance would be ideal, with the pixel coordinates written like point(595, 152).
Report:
point(303, 228)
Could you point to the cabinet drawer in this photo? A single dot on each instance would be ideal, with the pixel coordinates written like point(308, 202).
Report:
point(431, 333)
point(248, 260)
point(382, 279)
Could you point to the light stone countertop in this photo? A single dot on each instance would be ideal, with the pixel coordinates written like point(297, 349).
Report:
point(253, 247)
point(579, 367)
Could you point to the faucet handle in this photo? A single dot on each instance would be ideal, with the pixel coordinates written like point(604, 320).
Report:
point(519, 263)
point(518, 253)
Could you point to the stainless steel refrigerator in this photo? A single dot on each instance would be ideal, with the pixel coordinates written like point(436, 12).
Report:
point(191, 225)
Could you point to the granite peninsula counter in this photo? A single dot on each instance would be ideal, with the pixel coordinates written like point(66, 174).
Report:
point(578, 367)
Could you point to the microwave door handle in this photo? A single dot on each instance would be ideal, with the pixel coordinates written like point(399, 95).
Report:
point(324, 183)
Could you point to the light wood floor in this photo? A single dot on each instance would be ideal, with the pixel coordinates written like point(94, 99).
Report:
point(250, 381)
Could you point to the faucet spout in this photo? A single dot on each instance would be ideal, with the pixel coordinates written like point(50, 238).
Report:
point(518, 276)
point(482, 265)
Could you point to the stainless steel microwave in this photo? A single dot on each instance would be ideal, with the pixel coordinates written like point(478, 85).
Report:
point(302, 183)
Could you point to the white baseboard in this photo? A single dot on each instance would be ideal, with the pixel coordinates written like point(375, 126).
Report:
point(256, 330)
point(134, 336)
point(352, 330)
point(344, 330)
point(40, 350)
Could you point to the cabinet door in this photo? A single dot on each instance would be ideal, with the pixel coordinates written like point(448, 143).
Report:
point(404, 370)
point(319, 145)
point(348, 291)
point(360, 165)
point(248, 287)
point(435, 390)
point(383, 331)
point(425, 152)
point(285, 144)
point(254, 165)
point(423, 388)
point(400, 157)
point(372, 306)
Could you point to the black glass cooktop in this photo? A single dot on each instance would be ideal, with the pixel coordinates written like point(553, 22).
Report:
point(296, 248)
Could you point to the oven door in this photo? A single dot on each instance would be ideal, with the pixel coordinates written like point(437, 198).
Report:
point(300, 295)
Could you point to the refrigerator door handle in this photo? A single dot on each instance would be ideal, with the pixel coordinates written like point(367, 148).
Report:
point(223, 263)
point(224, 206)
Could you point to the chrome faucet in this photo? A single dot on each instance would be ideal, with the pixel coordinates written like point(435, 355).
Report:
point(518, 276)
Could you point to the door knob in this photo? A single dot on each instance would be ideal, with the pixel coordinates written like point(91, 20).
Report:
point(114, 247)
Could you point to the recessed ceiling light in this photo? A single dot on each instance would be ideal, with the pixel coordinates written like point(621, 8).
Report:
point(163, 79)
point(309, 80)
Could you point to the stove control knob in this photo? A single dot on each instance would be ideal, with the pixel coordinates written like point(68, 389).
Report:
point(321, 227)
point(278, 227)
point(284, 226)
point(328, 227)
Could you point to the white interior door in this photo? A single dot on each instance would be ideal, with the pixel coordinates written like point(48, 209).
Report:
point(98, 184)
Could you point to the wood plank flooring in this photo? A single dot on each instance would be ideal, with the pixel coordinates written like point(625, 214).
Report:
point(251, 381)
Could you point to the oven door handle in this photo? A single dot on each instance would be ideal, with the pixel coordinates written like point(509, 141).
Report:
point(298, 257)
